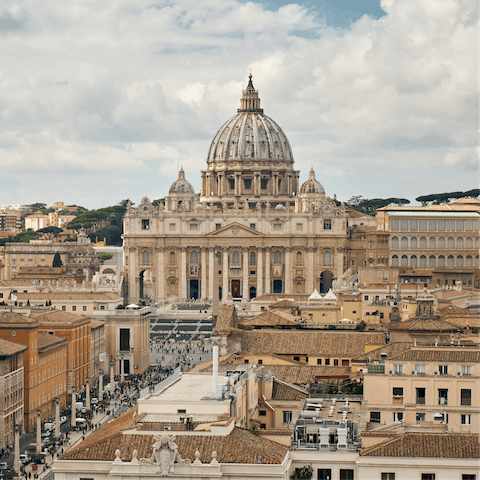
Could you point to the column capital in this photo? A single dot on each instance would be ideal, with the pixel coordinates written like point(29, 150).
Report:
point(211, 249)
point(160, 249)
point(203, 249)
point(245, 249)
point(182, 249)
point(132, 249)
point(288, 249)
point(311, 249)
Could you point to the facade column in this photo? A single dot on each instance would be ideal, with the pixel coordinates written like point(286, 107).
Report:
point(211, 272)
point(160, 273)
point(183, 272)
point(132, 275)
point(112, 378)
point(16, 460)
point(39, 431)
point(202, 187)
point(310, 269)
point(57, 418)
point(73, 420)
point(237, 184)
point(246, 290)
point(203, 266)
point(225, 290)
point(87, 394)
point(267, 270)
point(100, 385)
point(259, 271)
point(288, 270)
point(122, 374)
point(220, 184)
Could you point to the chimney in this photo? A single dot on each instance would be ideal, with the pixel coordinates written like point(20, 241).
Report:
point(215, 371)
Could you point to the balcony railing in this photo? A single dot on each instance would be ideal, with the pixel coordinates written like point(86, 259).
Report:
point(126, 351)
point(376, 368)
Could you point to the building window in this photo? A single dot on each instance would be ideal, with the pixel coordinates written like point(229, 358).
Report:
point(64, 308)
point(263, 184)
point(246, 361)
point(74, 308)
point(145, 258)
point(252, 258)
point(375, 417)
point(443, 369)
point(299, 227)
point(465, 397)
point(466, 419)
point(466, 370)
point(260, 362)
point(327, 361)
point(181, 411)
point(235, 257)
point(172, 258)
point(319, 361)
point(194, 257)
point(398, 416)
point(145, 224)
point(420, 396)
point(277, 226)
point(420, 369)
point(428, 476)
point(218, 226)
point(263, 426)
point(327, 258)
point(443, 396)
point(346, 475)
point(287, 416)
point(277, 258)
point(327, 224)
point(194, 226)
point(231, 182)
point(297, 359)
point(469, 476)
point(397, 391)
point(248, 184)
point(335, 362)
point(262, 413)
point(253, 226)
point(388, 476)
point(172, 227)
point(102, 307)
point(420, 417)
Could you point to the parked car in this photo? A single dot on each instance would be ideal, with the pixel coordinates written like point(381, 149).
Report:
point(24, 458)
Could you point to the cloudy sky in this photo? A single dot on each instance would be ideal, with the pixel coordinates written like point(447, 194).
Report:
point(103, 100)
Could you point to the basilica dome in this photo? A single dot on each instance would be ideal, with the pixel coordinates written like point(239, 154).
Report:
point(312, 185)
point(181, 185)
point(250, 134)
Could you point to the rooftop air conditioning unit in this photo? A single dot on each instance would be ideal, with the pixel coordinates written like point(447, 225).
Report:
point(167, 427)
point(459, 374)
point(414, 372)
point(390, 372)
point(437, 374)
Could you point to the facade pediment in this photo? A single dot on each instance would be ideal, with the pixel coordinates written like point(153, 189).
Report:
point(235, 230)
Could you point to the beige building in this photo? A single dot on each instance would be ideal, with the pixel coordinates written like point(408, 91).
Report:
point(425, 384)
point(11, 386)
point(268, 232)
point(10, 221)
point(40, 220)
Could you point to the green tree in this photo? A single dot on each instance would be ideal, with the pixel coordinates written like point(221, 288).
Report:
point(105, 255)
point(57, 261)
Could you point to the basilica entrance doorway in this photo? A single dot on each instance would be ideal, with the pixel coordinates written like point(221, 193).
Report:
point(194, 290)
point(277, 286)
point(236, 292)
point(326, 279)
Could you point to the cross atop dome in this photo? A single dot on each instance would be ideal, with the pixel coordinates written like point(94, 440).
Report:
point(250, 102)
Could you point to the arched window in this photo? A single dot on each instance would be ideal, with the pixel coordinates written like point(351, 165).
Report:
point(459, 261)
point(441, 261)
point(253, 258)
point(172, 258)
point(145, 257)
point(423, 242)
point(413, 261)
point(468, 263)
point(277, 258)
point(327, 258)
point(299, 258)
point(404, 242)
point(394, 261)
point(413, 242)
point(460, 242)
point(423, 261)
point(441, 242)
point(469, 243)
point(432, 261)
point(194, 257)
point(451, 242)
point(235, 257)
point(394, 242)
point(432, 242)
point(450, 261)
point(404, 261)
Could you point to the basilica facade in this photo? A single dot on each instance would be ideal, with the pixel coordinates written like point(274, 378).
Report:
point(252, 229)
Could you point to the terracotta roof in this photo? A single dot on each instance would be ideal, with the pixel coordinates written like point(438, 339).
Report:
point(227, 319)
point(96, 323)
point(239, 446)
point(352, 213)
point(302, 374)
point(12, 319)
point(423, 324)
point(8, 348)
point(275, 431)
point(45, 341)
point(42, 269)
point(60, 317)
point(460, 316)
point(315, 343)
point(271, 319)
point(98, 296)
point(462, 354)
point(284, 391)
point(15, 282)
point(390, 349)
point(427, 445)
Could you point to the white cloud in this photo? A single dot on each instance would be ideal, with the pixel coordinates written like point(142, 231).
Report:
point(106, 99)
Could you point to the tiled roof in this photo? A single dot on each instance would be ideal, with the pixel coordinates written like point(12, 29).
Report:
point(8, 348)
point(15, 319)
point(15, 282)
point(46, 341)
point(97, 296)
point(284, 303)
point(271, 319)
point(239, 446)
point(427, 445)
point(227, 319)
point(284, 391)
point(461, 354)
point(60, 317)
point(424, 324)
point(96, 323)
point(302, 374)
point(390, 349)
point(274, 297)
point(460, 316)
point(315, 343)
point(275, 431)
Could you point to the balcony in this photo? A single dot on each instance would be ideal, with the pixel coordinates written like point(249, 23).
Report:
point(126, 352)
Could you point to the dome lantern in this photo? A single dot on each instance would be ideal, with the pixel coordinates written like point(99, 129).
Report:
point(250, 101)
